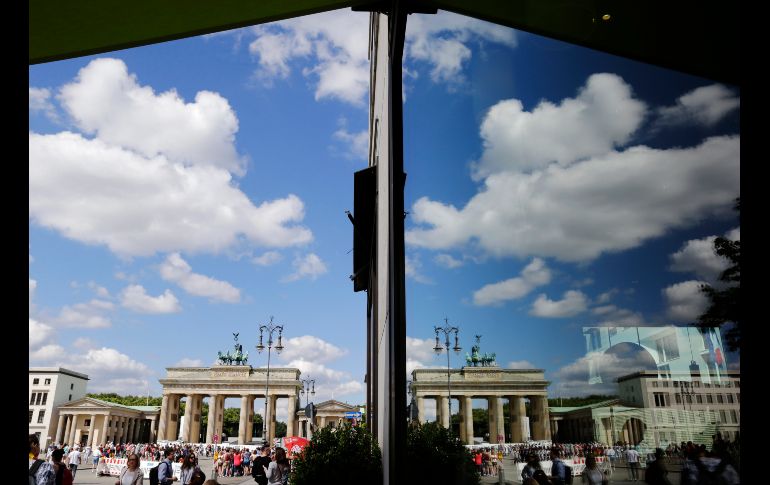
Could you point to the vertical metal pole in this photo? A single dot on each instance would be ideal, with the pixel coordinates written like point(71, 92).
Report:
point(267, 389)
point(448, 386)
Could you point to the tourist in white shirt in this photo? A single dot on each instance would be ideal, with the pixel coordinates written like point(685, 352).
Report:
point(632, 456)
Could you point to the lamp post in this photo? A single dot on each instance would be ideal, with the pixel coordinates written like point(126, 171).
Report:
point(447, 329)
point(269, 328)
point(308, 388)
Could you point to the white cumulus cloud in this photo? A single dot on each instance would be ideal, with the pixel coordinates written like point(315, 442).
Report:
point(267, 258)
point(309, 347)
point(533, 275)
point(309, 266)
point(705, 105)
point(685, 302)
point(135, 297)
point(177, 270)
point(572, 303)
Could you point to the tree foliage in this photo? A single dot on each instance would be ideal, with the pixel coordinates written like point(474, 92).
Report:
point(724, 305)
point(127, 400)
point(346, 454)
point(437, 456)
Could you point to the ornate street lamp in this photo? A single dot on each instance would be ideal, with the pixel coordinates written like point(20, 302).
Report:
point(447, 329)
point(308, 388)
point(269, 328)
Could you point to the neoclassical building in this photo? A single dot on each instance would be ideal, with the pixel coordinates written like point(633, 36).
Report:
point(495, 385)
point(90, 421)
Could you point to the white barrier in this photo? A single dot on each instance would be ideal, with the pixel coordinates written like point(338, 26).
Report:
point(113, 467)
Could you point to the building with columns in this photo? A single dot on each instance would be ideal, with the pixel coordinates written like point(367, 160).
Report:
point(328, 413)
point(49, 388)
point(494, 384)
point(90, 421)
point(218, 383)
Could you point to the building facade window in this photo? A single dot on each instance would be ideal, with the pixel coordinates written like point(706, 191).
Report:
point(709, 399)
point(678, 399)
point(31, 412)
point(722, 416)
point(699, 399)
point(88, 422)
point(32, 399)
point(737, 383)
point(70, 398)
point(38, 398)
point(720, 399)
point(35, 381)
point(40, 416)
point(733, 416)
point(47, 382)
point(730, 399)
point(72, 386)
point(660, 399)
point(654, 383)
point(45, 398)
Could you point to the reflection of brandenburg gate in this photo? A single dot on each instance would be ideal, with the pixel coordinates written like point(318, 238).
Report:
point(493, 384)
point(218, 383)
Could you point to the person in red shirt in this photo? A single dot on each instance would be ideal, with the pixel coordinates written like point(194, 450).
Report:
point(477, 460)
point(237, 461)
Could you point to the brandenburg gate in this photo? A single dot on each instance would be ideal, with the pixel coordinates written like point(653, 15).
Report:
point(486, 381)
point(218, 383)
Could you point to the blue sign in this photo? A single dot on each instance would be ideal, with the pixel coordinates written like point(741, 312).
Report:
point(353, 414)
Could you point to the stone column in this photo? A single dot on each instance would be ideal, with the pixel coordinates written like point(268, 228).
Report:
point(442, 409)
point(212, 422)
point(461, 415)
point(163, 418)
point(153, 434)
point(518, 412)
point(60, 428)
point(91, 430)
point(539, 421)
point(195, 419)
point(492, 418)
point(103, 435)
point(67, 430)
point(187, 420)
point(73, 429)
point(243, 420)
point(271, 404)
point(468, 419)
point(129, 430)
point(250, 423)
point(499, 420)
point(292, 409)
point(420, 409)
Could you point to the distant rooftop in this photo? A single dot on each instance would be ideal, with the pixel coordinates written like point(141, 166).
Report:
point(57, 370)
point(674, 375)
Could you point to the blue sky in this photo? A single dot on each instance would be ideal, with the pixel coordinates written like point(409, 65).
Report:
point(183, 191)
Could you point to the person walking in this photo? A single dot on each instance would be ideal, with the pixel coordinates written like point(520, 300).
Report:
point(40, 471)
point(188, 466)
point(73, 458)
point(166, 470)
point(132, 474)
point(261, 463)
point(278, 471)
point(591, 474)
point(656, 473)
point(63, 474)
point(632, 457)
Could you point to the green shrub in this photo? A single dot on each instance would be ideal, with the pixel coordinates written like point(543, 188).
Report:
point(343, 455)
point(436, 456)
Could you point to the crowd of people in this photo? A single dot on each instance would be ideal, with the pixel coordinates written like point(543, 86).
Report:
point(268, 466)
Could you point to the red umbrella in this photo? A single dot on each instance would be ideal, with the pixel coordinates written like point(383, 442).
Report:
point(295, 444)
